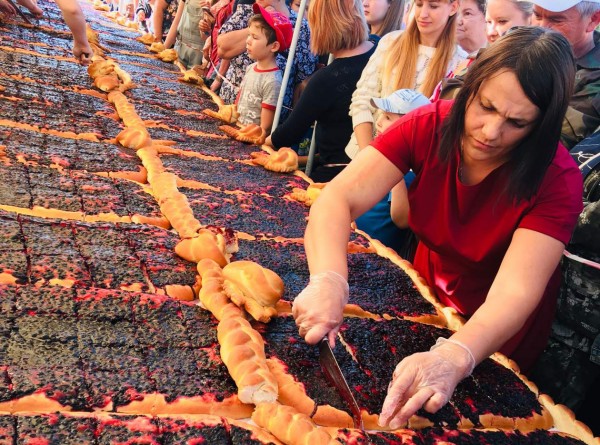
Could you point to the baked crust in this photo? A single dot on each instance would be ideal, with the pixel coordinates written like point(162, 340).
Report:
point(38, 402)
point(243, 352)
point(167, 55)
point(211, 294)
point(231, 406)
point(308, 196)
point(253, 287)
point(292, 393)
point(180, 292)
point(146, 38)
point(134, 137)
point(564, 420)
point(258, 433)
point(290, 426)
point(251, 133)
point(157, 47)
point(285, 160)
point(226, 113)
point(179, 213)
point(204, 245)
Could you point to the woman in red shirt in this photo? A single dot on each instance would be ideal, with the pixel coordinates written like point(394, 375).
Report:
point(494, 202)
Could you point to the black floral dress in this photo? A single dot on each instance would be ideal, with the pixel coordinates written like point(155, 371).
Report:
point(304, 64)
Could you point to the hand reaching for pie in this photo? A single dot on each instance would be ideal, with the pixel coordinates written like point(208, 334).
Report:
point(426, 379)
point(318, 309)
point(33, 7)
point(6, 8)
point(83, 52)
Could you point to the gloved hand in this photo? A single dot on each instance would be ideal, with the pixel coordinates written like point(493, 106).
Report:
point(319, 308)
point(425, 379)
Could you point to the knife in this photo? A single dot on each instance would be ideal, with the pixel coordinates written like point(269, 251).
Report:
point(334, 375)
point(23, 16)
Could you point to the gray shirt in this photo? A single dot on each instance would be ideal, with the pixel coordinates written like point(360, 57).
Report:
point(260, 89)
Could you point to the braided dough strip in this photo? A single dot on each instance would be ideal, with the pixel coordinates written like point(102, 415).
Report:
point(211, 294)
point(290, 426)
point(243, 352)
point(253, 287)
point(205, 244)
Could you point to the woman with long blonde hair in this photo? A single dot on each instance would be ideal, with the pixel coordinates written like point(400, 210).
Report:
point(417, 58)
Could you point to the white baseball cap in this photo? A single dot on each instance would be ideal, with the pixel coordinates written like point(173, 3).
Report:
point(558, 5)
point(401, 101)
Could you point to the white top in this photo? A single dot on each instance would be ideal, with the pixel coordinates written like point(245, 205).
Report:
point(370, 83)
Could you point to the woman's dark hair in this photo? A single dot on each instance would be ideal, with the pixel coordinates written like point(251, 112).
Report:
point(543, 62)
point(481, 5)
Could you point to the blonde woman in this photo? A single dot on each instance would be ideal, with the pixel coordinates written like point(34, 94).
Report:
point(501, 15)
point(417, 58)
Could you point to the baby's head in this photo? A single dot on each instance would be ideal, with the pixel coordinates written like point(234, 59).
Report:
point(397, 105)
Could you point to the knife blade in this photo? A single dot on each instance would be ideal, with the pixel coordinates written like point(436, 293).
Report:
point(334, 375)
point(23, 16)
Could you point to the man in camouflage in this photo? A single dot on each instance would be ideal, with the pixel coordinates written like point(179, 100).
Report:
point(569, 367)
point(577, 21)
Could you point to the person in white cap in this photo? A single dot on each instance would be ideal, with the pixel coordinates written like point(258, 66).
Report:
point(390, 227)
point(577, 21)
point(396, 105)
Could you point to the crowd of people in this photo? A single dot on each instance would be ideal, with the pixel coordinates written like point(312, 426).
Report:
point(443, 128)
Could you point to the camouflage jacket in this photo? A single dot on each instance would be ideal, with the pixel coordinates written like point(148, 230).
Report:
point(583, 115)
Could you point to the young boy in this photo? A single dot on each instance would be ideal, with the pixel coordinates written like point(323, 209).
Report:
point(268, 33)
point(387, 220)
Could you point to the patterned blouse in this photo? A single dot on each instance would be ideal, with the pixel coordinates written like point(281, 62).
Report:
point(304, 61)
point(169, 15)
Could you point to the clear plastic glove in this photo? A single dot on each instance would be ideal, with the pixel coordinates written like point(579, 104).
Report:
point(425, 379)
point(319, 308)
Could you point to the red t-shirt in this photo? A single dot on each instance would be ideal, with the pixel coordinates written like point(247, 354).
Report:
point(465, 231)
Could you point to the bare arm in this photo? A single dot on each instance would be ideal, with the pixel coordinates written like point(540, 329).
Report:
point(319, 307)
point(158, 12)
point(524, 273)
point(223, 67)
point(75, 20)
point(364, 134)
point(350, 194)
point(231, 44)
point(266, 119)
point(400, 206)
point(172, 35)
point(6, 8)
